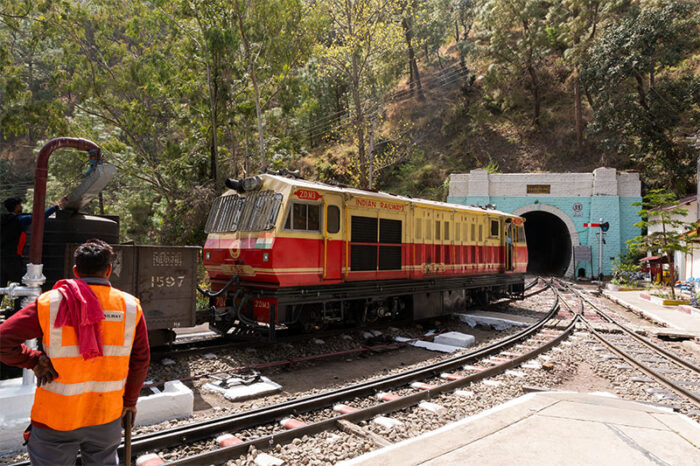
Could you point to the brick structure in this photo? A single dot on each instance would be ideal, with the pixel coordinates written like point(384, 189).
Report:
point(573, 198)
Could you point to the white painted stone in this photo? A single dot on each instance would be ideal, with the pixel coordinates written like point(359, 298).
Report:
point(149, 459)
point(493, 383)
point(318, 341)
point(432, 407)
point(167, 362)
point(263, 459)
point(515, 373)
point(233, 389)
point(209, 356)
point(544, 357)
point(494, 322)
point(460, 339)
point(175, 402)
point(332, 438)
point(346, 337)
point(387, 422)
point(15, 407)
point(430, 346)
point(367, 335)
point(376, 333)
point(464, 393)
point(531, 365)
point(566, 343)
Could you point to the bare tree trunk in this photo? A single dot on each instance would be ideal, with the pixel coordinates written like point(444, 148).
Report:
point(577, 111)
point(413, 66)
point(213, 96)
point(256, 91)
point(535, 95)
point(359, 124)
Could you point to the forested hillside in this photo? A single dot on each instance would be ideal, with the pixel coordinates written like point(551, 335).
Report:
point(387, 94)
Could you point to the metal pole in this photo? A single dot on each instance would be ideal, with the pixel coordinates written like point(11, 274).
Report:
point(371, 154)
point(600, 252)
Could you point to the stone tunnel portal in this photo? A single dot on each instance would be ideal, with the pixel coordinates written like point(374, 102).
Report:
point(548, 243)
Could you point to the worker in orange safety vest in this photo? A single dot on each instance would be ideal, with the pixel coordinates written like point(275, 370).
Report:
point(94, 361)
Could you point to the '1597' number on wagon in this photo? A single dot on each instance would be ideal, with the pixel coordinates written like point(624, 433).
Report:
point(166, 281)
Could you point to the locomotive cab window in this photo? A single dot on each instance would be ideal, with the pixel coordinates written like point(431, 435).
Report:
point(255, 212)
point(333, 220)
point(521, 234)
point(303, 217)
point(494, 228)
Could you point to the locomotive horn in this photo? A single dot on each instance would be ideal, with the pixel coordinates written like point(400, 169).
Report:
point(234, 184)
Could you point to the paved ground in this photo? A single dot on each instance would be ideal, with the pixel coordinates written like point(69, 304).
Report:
point(666, 315)
point(554, 428)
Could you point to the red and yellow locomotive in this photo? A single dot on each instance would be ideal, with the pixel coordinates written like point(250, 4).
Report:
point(288, 252)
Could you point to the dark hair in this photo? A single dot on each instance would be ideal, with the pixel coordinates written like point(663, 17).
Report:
point(11, 203)
point(93, 257)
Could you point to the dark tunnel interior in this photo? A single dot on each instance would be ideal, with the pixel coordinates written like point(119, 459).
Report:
point(548, 244)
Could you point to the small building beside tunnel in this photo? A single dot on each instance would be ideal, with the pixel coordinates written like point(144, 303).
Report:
point(556, 206)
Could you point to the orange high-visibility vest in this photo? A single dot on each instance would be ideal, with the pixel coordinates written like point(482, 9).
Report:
point(86, 392)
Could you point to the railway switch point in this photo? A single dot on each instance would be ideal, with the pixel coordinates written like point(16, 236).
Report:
point(422, 386)
point(343, 409)
point(150, 459)
point(291, 423)
point(227, 440)
point(387, 422)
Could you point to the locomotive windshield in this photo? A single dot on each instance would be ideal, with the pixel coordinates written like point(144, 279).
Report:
point(257, 211)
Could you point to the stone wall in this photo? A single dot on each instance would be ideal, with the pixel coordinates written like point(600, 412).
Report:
point(576, 198)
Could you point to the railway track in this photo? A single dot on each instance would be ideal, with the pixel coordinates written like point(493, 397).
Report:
point(254, 419)
point(680, 377)
point(411, 388)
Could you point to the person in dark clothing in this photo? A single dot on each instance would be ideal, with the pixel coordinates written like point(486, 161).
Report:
point(13, 232)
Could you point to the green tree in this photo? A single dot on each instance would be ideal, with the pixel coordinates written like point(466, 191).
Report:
point(517, 42)
point(645, 93)
point(358, 36)
point(665, 226)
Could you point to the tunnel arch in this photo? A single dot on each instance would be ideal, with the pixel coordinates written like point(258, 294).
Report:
point(547, 216)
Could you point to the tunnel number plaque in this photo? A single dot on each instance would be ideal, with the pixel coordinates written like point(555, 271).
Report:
point(538, 188)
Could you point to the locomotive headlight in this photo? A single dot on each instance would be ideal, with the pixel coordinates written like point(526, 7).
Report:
point(266, 257)
point(207, 255)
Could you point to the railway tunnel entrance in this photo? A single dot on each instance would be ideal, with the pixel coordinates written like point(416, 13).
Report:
point(548, 243)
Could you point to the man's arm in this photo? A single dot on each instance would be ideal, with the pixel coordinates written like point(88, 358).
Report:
point(24, 325)
point(26, 219)
point(138, 364)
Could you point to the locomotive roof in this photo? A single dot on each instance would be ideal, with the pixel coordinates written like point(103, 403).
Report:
point(379, 194)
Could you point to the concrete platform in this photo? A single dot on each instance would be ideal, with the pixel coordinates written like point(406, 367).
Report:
point(665, 315)
point(554, 428)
